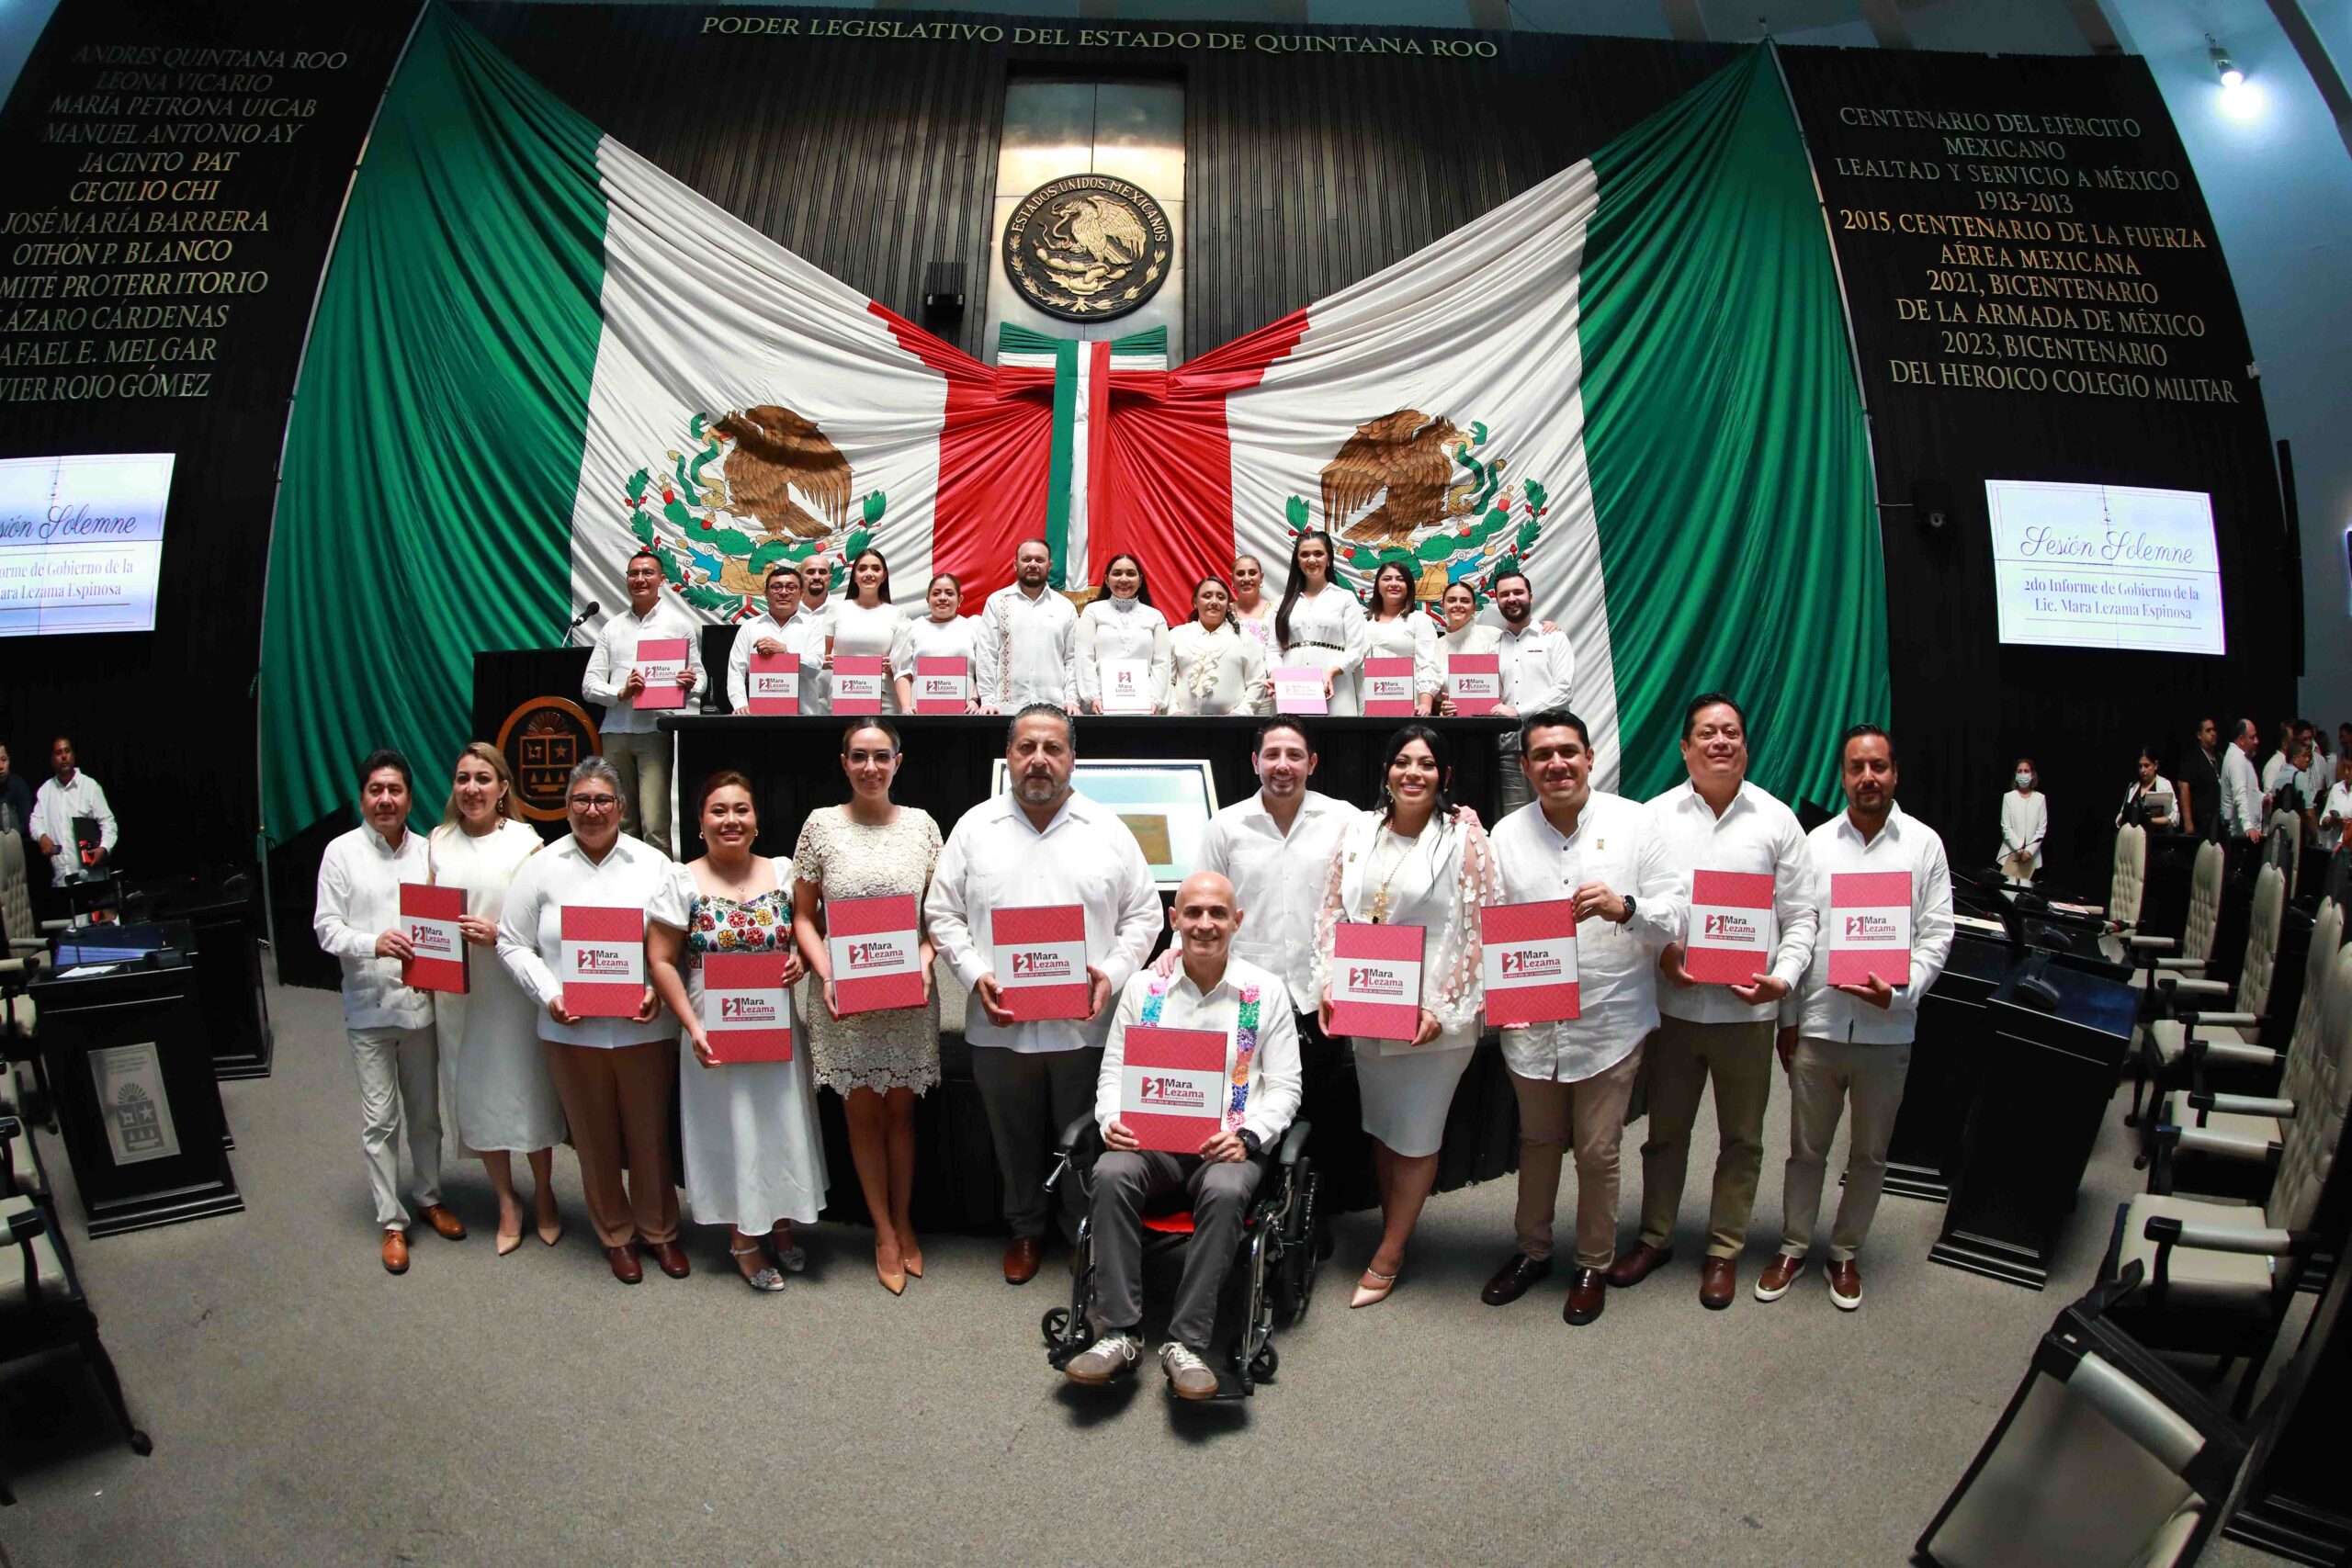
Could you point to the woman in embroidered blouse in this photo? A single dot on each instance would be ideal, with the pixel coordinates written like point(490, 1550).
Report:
point(1213, 668)
point(1412, 860)
point(754, 1157)
point(878, 1062)
point(1253, 613)
point(942, 634)
point(1122, 627)
point(1397, 629)
point(1320, 624)
point(865, 624)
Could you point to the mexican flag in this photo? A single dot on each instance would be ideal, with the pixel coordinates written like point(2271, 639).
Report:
point(536, 353)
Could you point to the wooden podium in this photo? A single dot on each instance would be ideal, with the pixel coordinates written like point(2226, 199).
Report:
point(2057, 1040)
point(130, 1065)
point(1922, 1152)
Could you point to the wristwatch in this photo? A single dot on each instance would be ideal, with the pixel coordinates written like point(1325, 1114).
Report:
point(1629, 911)
point(1251, 1142)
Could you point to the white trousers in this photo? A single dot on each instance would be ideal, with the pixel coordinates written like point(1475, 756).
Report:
point(399, 1082)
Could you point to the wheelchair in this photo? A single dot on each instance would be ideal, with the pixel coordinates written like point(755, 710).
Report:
point(1271, 1282)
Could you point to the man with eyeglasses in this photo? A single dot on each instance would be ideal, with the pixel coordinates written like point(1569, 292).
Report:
point(779, 628)
point(633, 741)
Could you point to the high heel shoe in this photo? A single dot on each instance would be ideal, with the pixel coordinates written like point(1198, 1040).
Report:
point(893, 1280)
point(790, 1253)
point(551, 1234)
point(1373, 1289)
point(765, 1279)
point(912, 1258)
point(508, 1241)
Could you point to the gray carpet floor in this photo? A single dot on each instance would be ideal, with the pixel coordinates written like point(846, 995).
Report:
point(307, 1408)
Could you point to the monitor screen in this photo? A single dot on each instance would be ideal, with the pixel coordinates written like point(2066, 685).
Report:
point(80, 542)
point(2105, 566)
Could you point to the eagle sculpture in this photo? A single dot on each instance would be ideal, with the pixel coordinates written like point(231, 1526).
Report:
point(1101, 228)
point(1410, 454)
point(777, 452)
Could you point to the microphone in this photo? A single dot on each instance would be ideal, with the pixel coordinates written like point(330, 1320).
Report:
point(582, 619)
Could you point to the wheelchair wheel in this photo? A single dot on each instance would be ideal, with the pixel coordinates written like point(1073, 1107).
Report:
point(1055, 1326)
point(1265, 1364)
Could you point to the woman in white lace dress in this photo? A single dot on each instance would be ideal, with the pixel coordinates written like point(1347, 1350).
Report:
point(1397, 629)
point(1412, 860)
point(942, 634)
point(1319, 624)
point(878, 1062)
point(865, 623)
point(1213, 668)
point(1121, 633)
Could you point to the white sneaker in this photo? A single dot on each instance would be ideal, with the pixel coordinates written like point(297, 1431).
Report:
point(1188, 1375)
point(1113, 1355)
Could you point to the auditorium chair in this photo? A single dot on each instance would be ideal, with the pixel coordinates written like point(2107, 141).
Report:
point(2176, 1037)
point(2220, 1275)
point(2248, 1130)
point(42, 1308)
point(2125, 889)
point(2282, 843)
point(2103, 1456)
point(26, 954)
point(2185, 967)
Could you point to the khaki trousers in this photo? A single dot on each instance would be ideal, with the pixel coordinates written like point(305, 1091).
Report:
point(1683, 1056)
point(1588, 1113)
point(1824, 1074)
point(642, 760)
point(617, 1099)
point(397, 1086)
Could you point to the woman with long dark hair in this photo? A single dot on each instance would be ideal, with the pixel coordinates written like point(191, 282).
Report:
point(1397, 629)
point(865, 623)
point(1123, 645)
point(1319, 624)
point(1412, 860)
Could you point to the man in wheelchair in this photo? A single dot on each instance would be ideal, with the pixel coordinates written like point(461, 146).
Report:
point(1210, 990)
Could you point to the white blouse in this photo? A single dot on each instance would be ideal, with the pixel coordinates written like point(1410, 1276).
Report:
point(860, 631)
point(1410, 635)
point(1332, 625)
point(1258, 627)
point(1122, 629)
point(927, 638)
point(1220, 671)
point(1447, 876)
point(2025, 823)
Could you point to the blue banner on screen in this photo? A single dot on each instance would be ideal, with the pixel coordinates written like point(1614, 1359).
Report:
point(2106, 566)
point(80, 542)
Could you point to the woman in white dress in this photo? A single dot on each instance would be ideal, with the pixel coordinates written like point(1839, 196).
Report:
point(1253, 615)
point(1397, 629)
point(1320, 624)
point(2025, 823)
point(1412, 860)
point(1120, 633)
point(490, 1035)
point(942, 634)
point(754, 1157)
point(878, 1062)
point(1213, 667)
point(865, 624)
point(2148, 780)
point(1462, 635)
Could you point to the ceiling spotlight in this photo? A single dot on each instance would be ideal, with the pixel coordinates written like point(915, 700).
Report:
point(2223, 66)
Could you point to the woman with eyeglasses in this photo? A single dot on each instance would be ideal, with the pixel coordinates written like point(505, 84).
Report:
point(614, 1075)
point(754, 1158)
point(943, 633)
point(489, 1033)
point(1213, 666)
point(1412, 860)
point(1319, 624)
point(878, 1062)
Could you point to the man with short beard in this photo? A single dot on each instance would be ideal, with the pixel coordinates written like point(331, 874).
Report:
point(1039, 843)
point(1025, 650)
point(1539, 667)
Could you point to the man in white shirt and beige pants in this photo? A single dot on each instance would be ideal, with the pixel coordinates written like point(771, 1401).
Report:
point(1841, 1042)
point(633, 741)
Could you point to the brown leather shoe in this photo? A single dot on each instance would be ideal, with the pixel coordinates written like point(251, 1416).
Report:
point(1844, 1285)
point(1022, 1254)
point(395, 1252)
point(672, 1259)
point(624, 1262)
point(1588, 1294)
point(1639, 1265)
point(1513, 1279)
point(1718, 1282)
point(1778, 1276)
point(448, 1226)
